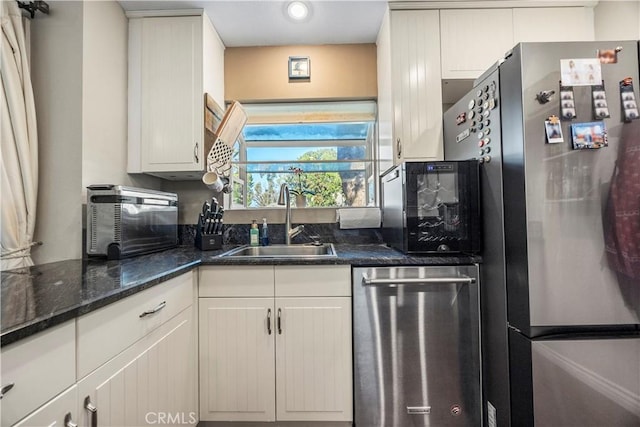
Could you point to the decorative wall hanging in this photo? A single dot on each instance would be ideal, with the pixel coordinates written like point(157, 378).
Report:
point(299, 67)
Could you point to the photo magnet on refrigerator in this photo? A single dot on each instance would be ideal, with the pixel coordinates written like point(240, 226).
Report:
point(599, 102)
point(628, 100)
point(567, 103)
point(553, 130)
point(608, 56)
point(580, 72)
point(591, 135)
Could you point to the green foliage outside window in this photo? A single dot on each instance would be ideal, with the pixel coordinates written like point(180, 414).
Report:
point(325, 187)
point(329, 161)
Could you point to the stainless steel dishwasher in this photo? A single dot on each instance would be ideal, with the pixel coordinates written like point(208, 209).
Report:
point(417, 346)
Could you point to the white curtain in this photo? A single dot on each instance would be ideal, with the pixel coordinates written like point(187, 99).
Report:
point(18, 143)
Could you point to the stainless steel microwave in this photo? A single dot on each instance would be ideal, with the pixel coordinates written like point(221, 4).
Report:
point(432, 207)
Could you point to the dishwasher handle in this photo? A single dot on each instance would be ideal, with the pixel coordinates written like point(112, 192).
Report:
point(367, 281)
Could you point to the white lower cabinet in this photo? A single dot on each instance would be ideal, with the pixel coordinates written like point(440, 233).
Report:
point(34, 371)
point(130, 363)
point(284, 358)
point(151, 382)
point(313, 359)
point(237, 359)
point(104, 333)
point(61, 411)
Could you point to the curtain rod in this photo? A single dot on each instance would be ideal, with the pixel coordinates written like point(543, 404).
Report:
point(34, 6)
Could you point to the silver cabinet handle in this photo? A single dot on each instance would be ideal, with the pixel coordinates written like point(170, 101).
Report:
point(279, 322)
point(399, 147)
point(68, 421)
point(367, 281)
point(269, 321)
point(92, 410)
point(154, 310)
point(5, 389)
point(195, 153)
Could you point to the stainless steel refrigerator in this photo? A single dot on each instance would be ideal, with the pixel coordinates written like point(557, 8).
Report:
point(560, 301)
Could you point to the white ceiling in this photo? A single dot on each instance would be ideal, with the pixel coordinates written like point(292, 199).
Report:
point(263, 23)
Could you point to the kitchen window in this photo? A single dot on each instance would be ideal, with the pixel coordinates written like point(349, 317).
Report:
point(322, 150)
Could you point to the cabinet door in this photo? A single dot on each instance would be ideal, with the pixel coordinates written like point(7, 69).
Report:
point(473, 40)
point(55, 413)
point(314, 363)
point(416, 85)
point(385, 98)
point(172, 107)
point(152, 381)
point(553, 24)
point(237, 366)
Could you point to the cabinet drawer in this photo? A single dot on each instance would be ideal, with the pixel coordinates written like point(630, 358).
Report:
point(55, 412)
point(313, 281)
point(106, 332)
point(40, 367)
point(236, 281)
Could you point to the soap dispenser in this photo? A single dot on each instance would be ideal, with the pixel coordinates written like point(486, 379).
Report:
point(253, 234)
point(264, 233)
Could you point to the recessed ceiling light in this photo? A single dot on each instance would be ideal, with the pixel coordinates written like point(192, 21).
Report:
point(297, 10)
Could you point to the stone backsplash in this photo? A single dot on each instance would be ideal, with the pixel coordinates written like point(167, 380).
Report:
point(238, 234)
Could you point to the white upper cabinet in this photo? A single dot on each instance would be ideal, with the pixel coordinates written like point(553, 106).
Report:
point(385, 101)
point(557, 24)
point(416, 85)
point(617, 20)
point(173, 62)
point(171, 82)
point(473, 40)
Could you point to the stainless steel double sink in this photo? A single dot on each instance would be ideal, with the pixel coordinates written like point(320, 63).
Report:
point(325, 250)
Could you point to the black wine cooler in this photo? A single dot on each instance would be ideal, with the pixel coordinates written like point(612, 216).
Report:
point(432, 207)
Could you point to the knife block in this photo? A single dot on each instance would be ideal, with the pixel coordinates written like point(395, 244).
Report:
point(208, 242)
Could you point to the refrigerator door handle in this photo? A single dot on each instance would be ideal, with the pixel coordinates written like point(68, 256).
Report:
point(367, 281)
point(393, 176)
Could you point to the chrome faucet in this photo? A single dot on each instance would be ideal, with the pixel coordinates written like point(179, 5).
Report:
point(285, 199)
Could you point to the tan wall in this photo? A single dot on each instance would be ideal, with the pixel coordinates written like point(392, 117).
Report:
point(79, 76)
point(104, 98)
point(337, 72)
point(56, 64)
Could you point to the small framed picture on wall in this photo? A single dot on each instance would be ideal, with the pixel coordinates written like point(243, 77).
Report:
point(299, 67)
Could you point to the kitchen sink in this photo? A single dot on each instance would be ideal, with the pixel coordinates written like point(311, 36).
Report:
point(325, 250)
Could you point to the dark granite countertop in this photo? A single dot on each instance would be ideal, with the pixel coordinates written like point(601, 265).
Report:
point(356, 255)
point(38, 297)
